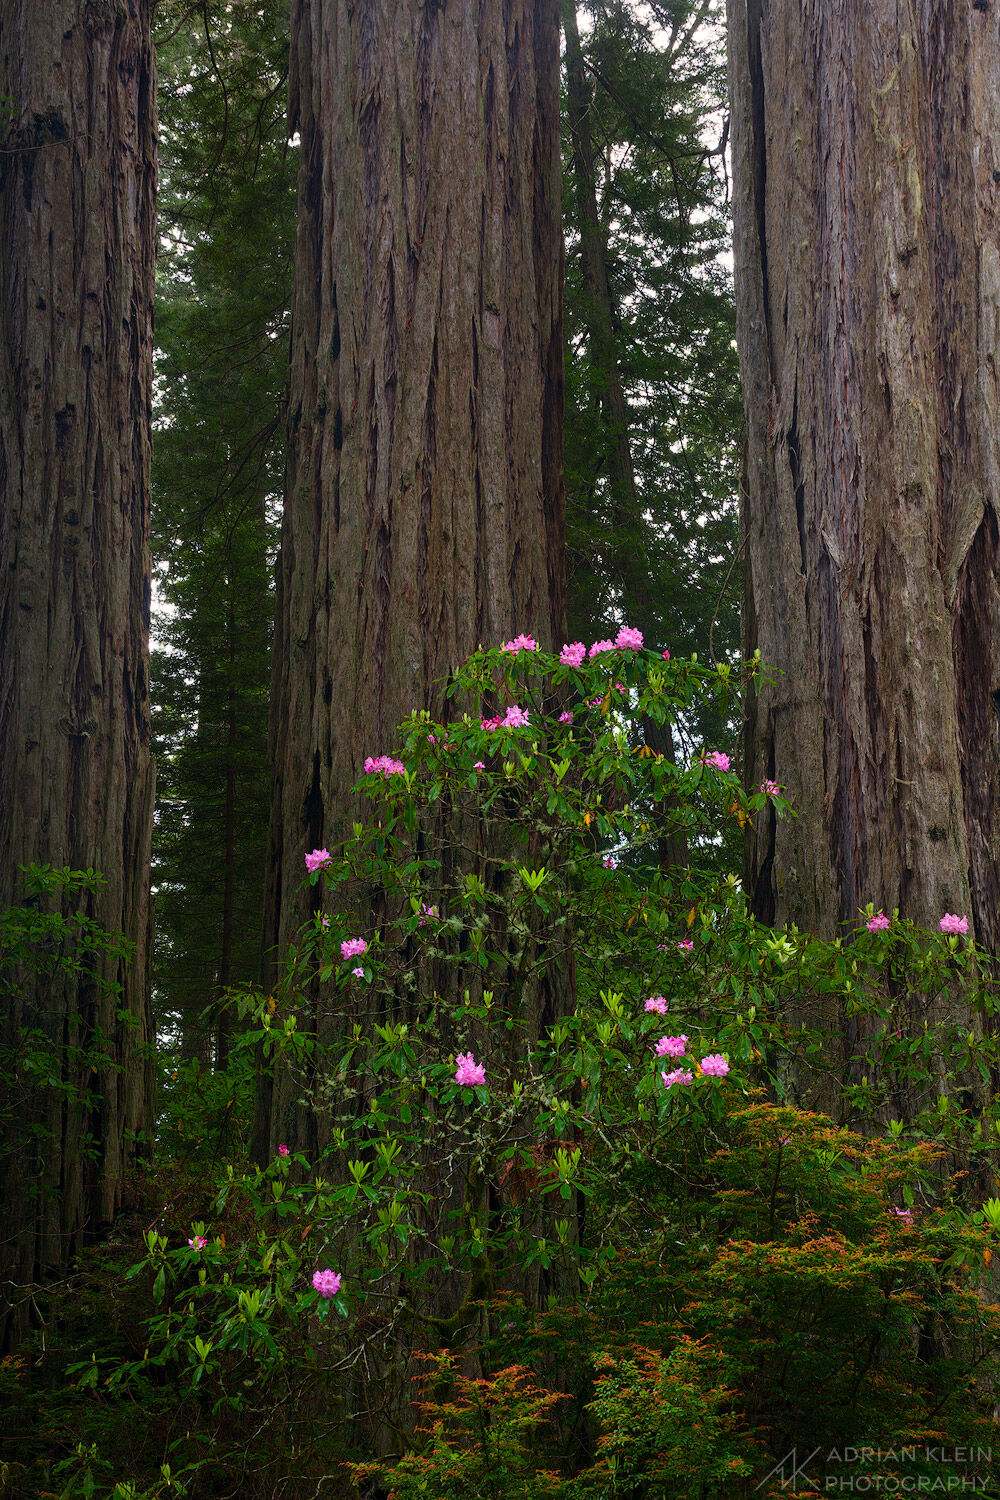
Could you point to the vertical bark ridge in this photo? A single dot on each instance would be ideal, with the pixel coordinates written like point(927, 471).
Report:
point(866, 255)
point(77, 243)
point(427, 330)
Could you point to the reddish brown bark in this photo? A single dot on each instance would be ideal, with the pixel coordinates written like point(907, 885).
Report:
point(424, 501)
point(867, 255)
point(77, 239)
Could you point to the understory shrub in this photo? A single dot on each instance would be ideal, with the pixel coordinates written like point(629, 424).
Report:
point(548, 1210)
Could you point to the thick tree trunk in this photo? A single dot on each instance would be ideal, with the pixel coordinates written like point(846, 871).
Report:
point(866, 166)
point(628, 562)
point(424, 501)
point(77, 240)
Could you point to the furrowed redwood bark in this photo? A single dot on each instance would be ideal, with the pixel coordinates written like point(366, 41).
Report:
point(77, 241)
point(866, 166)
point(424, 500)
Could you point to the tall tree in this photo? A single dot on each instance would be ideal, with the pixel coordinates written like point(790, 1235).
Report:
point(651, 453)
point(424, 502)
point(77, 242)
point(227, 227)
point(865, 168)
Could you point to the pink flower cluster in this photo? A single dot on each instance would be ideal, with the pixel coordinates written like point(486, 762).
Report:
point(599, 647)
point(318, 859)
point(327, 1283)
point(384, 765)
point(906, 1214)
point(671, 1046)
point(514, 718)
point(770, 788)
point(954, 925)
point(426, 912)
point(566, 717)
point(657, 1003)
point(686, 945)
point(520, 643)
point(629, 639)
point(573, 654)
point(283, 1150)
point(878, 923)
point(198, 1242)
point(665, 655)
point(468, 1072)
point(358, 973)
point(712, 1066)
point(609, 862)
point(717, 759)
point(353, 948)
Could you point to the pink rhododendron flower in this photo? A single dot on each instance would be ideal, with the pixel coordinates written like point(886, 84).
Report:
point(358, 973)
point(714, 1065)
point(686, 945)
point(490, 724)
point(520, 643)
point(198, 1242)
point(573, 654)
point(327, 1283)
point(384, 765)
point(317, 859)
point(665, 655)
point(282, 1150)
point(609, 862)
point(955, 925)
point(566, 717)
point(717, 759)
point(515, 718)
point(671, 1046)
point(878, 923)
point(599, 647)
point(426, 912)
point(679, 1075)
point(468, 1072)
point(353, 947)
point(657, 1003)
point(480, 765)
point(770, 788)
point(629, 639)
point(906, 1214)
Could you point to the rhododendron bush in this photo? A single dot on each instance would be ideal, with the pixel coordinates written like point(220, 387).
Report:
point(547, 1125)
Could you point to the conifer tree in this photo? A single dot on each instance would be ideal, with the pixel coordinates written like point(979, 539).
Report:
point(227, 215)
point(424, 500)
point(865, 165)
point(77, 244)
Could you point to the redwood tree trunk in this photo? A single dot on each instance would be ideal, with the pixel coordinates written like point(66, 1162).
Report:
point(77, 227)
point(866, 163)
point(424, 500)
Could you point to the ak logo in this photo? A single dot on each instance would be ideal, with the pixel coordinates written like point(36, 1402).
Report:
point(791, 1472)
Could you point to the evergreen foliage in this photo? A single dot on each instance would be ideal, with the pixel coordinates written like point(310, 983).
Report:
point(656, 78)
point(226, 230)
